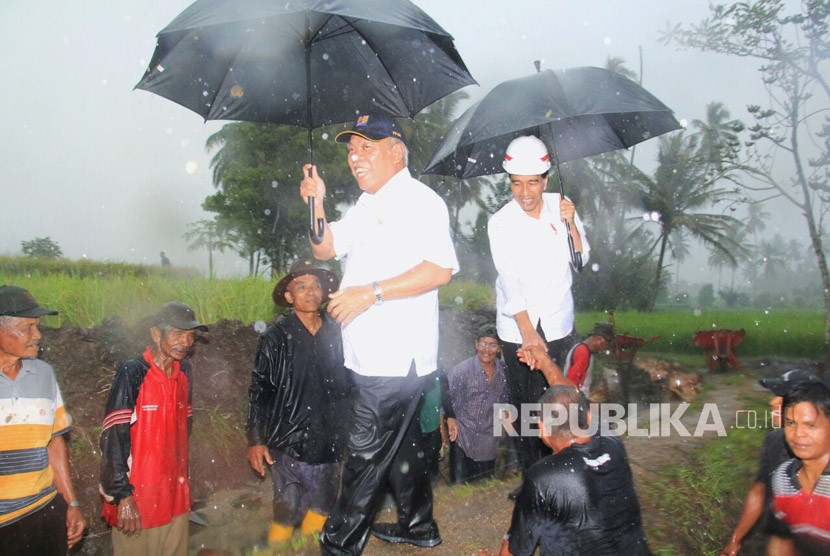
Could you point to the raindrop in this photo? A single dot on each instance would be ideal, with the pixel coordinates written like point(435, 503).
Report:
point(655, 216)
point(204, 93)
point(595, 267)
point(191, 166)
point(260, 326)
point(606, 41)
point(458, 300)
point(274, 184)
point(697, 312)
point(325, 55)
point(684, 123)
point(325, 136)
point(267, 212)
point(405, 467)
point(646, 216)
point(104, 81)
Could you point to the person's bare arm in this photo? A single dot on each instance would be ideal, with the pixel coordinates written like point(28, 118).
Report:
point(59, 462)
point(567, 211)
point(505, 548)
point(348, 303)
point(752, 510)
point(538, 360)
point(529, 335)
point(313, 186)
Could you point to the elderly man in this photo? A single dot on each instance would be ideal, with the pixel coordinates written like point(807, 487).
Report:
point(581, 499)
point(298, 389)
point(774, 452)
point(529, 244)
point(146, 490)
point(34, 461)
point(801, 486)
point(398, 252)
point(475, 386)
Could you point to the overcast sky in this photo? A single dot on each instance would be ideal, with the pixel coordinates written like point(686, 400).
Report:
point(116, 174)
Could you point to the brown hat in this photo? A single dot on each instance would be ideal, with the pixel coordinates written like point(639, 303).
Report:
point(302, 268)
point(178, 315)
point(605, 330)
point(18, 302)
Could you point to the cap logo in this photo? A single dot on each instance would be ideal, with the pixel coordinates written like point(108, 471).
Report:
point(508, 157)
point(396, 133)
point(362, 121)
point(546, 158)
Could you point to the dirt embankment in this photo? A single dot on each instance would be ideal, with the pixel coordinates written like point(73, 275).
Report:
point(85, 360)
point(228, 496)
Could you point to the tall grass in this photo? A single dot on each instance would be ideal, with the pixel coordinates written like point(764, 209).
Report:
point(85, 293)
point(781, 332)
point(699, 501)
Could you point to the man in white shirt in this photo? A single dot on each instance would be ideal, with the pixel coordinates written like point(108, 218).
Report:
point(529, 244)
point(398, 251)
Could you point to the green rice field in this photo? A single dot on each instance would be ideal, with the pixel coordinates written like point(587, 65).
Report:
point(85, 293)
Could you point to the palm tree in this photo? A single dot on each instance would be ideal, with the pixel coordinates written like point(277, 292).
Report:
point(681, 188)
point(719, 140)
point(211, 235)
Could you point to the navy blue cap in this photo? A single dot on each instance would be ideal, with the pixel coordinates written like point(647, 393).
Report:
point(374, 127)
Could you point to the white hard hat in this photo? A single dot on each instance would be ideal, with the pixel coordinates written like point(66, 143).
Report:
point(526, 156)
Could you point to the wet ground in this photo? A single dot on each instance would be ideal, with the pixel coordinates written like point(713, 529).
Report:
point(233, 504)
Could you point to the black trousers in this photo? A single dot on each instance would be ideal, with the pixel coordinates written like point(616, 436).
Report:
point(464, 469)
point(526, 386)
point(42, 533)
point(385, 448)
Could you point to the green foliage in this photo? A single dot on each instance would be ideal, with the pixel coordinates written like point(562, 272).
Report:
point(41, 247)
point(702, 499)
point(706, 296)
point(257, 169)
point(783, 333)
point(465, 295)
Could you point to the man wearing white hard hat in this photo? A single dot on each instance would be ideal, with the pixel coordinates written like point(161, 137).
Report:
point(529, 244)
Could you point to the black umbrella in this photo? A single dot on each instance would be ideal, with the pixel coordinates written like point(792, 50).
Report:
point(577, 112)
point(308, 63)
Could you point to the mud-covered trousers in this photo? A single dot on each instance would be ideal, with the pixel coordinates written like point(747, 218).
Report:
point(384, 448)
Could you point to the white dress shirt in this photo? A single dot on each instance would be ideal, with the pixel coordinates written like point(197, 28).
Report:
point(385, 234)
point(534, 272)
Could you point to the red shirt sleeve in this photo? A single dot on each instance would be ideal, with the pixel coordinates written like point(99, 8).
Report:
point(578, 370)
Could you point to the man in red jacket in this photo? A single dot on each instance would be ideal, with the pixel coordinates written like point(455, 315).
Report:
point(144, 441)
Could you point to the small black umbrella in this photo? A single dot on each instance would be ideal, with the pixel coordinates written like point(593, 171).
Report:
point(577, 112)
point(308, 63)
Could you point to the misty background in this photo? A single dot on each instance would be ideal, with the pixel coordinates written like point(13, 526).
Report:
point(112, 173)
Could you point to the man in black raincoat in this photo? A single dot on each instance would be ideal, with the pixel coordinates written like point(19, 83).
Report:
point(581, 499)
point(298, 388)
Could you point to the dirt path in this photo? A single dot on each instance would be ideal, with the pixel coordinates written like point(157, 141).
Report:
point(473, 518)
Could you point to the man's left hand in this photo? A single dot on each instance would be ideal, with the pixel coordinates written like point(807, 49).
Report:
point(345, 305)
point(75, 525)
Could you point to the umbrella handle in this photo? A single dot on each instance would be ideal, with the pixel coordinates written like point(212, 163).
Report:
point(315, 234)
point(576, 258)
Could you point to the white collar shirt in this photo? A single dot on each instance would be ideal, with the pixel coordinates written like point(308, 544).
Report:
point(383, 235)
point(532, 259)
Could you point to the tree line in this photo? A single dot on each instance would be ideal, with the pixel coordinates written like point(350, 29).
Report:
point(710, 183)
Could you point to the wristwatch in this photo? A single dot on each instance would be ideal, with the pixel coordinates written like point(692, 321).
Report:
point(378, 293)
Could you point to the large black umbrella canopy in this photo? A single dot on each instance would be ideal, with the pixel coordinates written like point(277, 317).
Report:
point(308, 63)
point(577, 112)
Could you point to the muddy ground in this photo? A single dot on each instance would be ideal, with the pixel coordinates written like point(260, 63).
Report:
point(232, 504)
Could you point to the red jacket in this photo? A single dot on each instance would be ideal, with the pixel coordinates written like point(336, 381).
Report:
point(144, 442)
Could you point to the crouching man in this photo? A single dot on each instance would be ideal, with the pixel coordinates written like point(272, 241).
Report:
point(581, 499)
